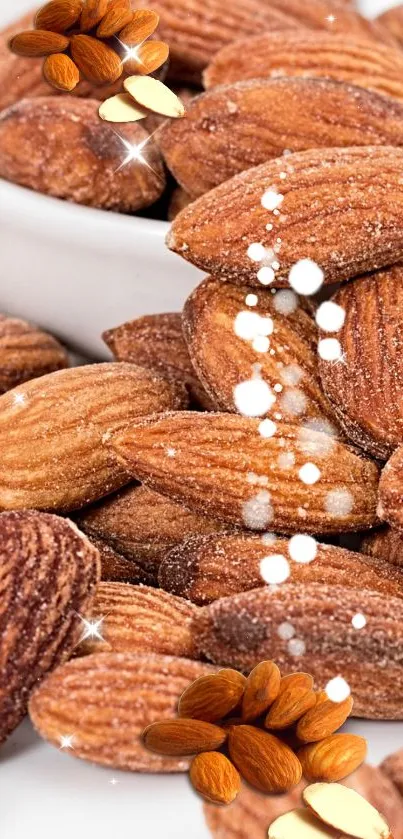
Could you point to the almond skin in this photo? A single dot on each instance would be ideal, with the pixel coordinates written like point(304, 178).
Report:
point(114, 21)
point(323, 719)
point(215, 454)
point(214, 232)
point(385, 544)
point(390, 507)
point(142, 24)
point(333, 758)
point(217, 126)
point(183, 737)
point(343, 18)
point(55, 433)
point(116, 568)
point(210, 698)
point(263, 761)
point(295, 697)
point(92, 14)
point(26, 353)
point(107, 700)
point(48, 571)
point(58, 15)
point(241, 631)
point(97, 62)
point(261, 689)
point(38, 42)
point(233, 675)
point(150, 56)
point(61, 72)
point(215, 778)
point(392, 20)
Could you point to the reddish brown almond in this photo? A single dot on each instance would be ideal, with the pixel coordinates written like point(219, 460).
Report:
point(143, 525)
point(105, 701)
point(243, 630)
point(97, 62)
point(385, 544)
point(207, 567)
point(222, 466)
point(224, 356)
point(58, 15)
point(295, 697)
point(38, 42)
point(140, 619)
point(210, 698)
point(365, 390)
point(156, 342)
point(48, 575)
point(55, 433)
point(314, 54)
point(392, 20)
point(215, 231)
point(390, 507)
point(26, 353)
point(217, 126)
point(264, 761)
point(179, 200)
point(261, 689)
point(183, 737)
point(333, 758)
point(93, 12)
point(61, 72)
point(392, 766)
point(215, 778)
point(142, 24)
point(116, 568)
point(323, 719)
point(114, 21)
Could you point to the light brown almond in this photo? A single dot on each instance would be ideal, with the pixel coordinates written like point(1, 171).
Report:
point(323, 719)
point(261, 689)
point(58, 15)
point(149, 57)
point(345, 810)
point(333, 758)
point(142, 24)
point(26, 353)
point(333, 16)
point(61, 72)
point(263, 760)
point(114, 21)
point(215, 778)
point(183, 737)
point(233, 675)
point(210, 698)
point(38, 42)
point(98, 62)
point(385, 544)
point(92, 14)
point(390, 507)
point(295, 697)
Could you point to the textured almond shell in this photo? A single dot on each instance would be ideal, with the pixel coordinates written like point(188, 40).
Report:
point(183, 737)
point(116, 568)
point(296, 696)
point(333, 16)
point(26, 352)
point(215, 778)
point(58, 15)
point(210, 698)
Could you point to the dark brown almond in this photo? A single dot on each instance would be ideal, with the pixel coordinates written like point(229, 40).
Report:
point(179, 200)
point(116, 568)
point(384, 544)
point(261, 689)
point(206, 567)
point(352, 229)
point(26, 353)
point(183, 737)
point(210, 698)
point(58, 15)
point(243, 630)
point(390, 507)
point(295, 697)
point(38, 42)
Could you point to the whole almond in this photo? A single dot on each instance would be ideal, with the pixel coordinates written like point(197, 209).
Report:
point(333, 758)
point(105, 701)
point(116, 568)
point(92, 14)
point(295, 697)
point(263, 760)
point(333, 16)
point(392, 766)
point(55, 433)
point(149, 57)
point(114, 21)
point(214, 232)
point(233, 675)
point(210, 698)
point(243, 630)
point(210, 475)
point(61, 72)
point(390, 507)
point(261, 689)
point(215, 778)
point(142, 24)
point(98, 62)
point(26, 353)
point(48, 572)
point(140, 619)
point(183, 737)
point(38, 42)
point(58, 15)
point(385, 544)
point(323, 719)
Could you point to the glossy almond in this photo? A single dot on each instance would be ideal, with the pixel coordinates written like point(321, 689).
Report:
point(263, 760)
point(92, 14)
point(98, 62)
point(215, 778)
point(38, 42)
point(55, 433)
point(149, 57)
point(114, 21)
point(261, 689)
point(26, 353)
point(333, 758)
point(385, 544)
point(183, 737)
point(61, 72)
point(234, 675)
point(210, 698)
point(58, 15)
point(323, 719)
point(295, 697)
point(214, 232)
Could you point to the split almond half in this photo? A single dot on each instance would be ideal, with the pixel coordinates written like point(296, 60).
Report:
point(154, 95)
point(346, 810)
point(121, 108)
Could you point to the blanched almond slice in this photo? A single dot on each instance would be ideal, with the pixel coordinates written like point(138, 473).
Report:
point(298, 824)
point(346, 810)
point(121, 108)
point(154, 95)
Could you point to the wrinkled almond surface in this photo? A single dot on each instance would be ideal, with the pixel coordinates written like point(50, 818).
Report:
point(332, 758)
point(323, 719)
point(296, 696)
point(261, 689)
point(385, 544)
point(183, 737)
point(26, 352)
point(263, 760)
point(210, 698)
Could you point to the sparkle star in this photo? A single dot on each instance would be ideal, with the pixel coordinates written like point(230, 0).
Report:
point(18, 399)
point(92, 629)
point(171, 452)
point(113, 781)
point(66, 741)
point(331, 19)
point(135, 152)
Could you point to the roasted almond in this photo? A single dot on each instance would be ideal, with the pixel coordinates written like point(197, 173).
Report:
point(323, 719)
point(392, 766)
point(38, 42)
point(26, 353)
point(92, 14)
point(114, 21)
point(261, 689)
point(210, 698)
point(334, 16)
point(116, 568)
point(216, 231)
point(58, 15)
point(295, 697)
point(233, 675)
point(390, 506)
point(142, 24)
point(263, 760)
point(183, 737)
point(333, 758)
point(149, 57)
point(215, 778)
point(55, 433)
point(344, 810)
point(392, 20)
point(19, 76)
point(61, 72)
point(385, 544)
point(98, 62)
point(179, 200)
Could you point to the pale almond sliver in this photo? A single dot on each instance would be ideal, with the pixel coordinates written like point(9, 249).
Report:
point(154, 95)
point(121, 108)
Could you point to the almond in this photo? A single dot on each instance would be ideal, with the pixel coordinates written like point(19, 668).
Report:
point(206, 567)
point(121, 108)
point(390, 506)
point(295, 697)
point(149, 57)
point(217, 126)
point(156, 342)
point(343, 809)
point(61, 72)
point(55, 433)
point(215, 778)
point(37, 43)
point(243, 630)
point(179, 200)
point(264, 761)
point(26, 353)
point(215, 232)
point(114, 21)
point(49, 571)
point(183, 737)
point(299, 823)
point(392, 766)
point(153, 94)
point(142, 24)
point(140, 619)
point(58, 15)
point(392, 20)
point(233, 675)
point(97, 62)
point(60, 147)
point(143, 525)
point(334, 16)
point(105, 701)
point(261, 689)
point(323, 719)
point(116, 568)
point(314, 54)
point(221, 335)
point(92, 14)
point(213, 464)
point(210, 698)
point(365, 390)
point(333, 758)
point(385, 544)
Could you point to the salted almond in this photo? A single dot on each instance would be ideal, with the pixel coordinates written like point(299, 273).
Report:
point(323, 719)
point(332, 758)
point(116, 568)
point(261, 689)
point(121, 108)
point(344, 809)
point(155, 95)
point(210, 698)
point(385, 544)
point(92, 14)
point(335, 17)
point(295, 697)
point(178, 201)
point(263, 760)
point(115, 19)
point(98, 62)
point(299, 824)
point(183, 737)
point(143, 23)
point(58, 15)
point(149, 57)
point(26, 353)
point(61, 72)
point(38, 42)
point(215, 778)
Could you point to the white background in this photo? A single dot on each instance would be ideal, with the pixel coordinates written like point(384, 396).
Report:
point(47, 794)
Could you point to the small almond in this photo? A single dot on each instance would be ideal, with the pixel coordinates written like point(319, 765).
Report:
point(143, 23)
point(115, 19)
point(210, 698)
point(149, 57)
point(92, 14)
point(261, 689)
point(215, 777)
point(323, 719)
point(38, 42)
point(183, 737)
point(61, 72)
point(295, 697)
point(152, 94)
point(97, 62)
point(345, 810)
point(263, 760)
point(58, 15)
point(333, 758)
point(121, 108)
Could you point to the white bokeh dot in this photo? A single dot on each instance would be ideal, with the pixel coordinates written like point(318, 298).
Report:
point(274, 569)
point(246, 325)
point(267, 428)
point(296, 647)
point(302, 548)
point(339, 502)
point(286, 631)
point(330, 349)
point(306, 277)
point(256, 252)
point(272, 200)
point(309, 474)
point(257, 512)
point(253, 398)
point(359, 621)
point(285, 302)
point(330, 316)
point(338, 689)
point(251, 300)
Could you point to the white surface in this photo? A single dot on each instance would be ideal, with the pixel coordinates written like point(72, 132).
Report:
point(61, 266)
